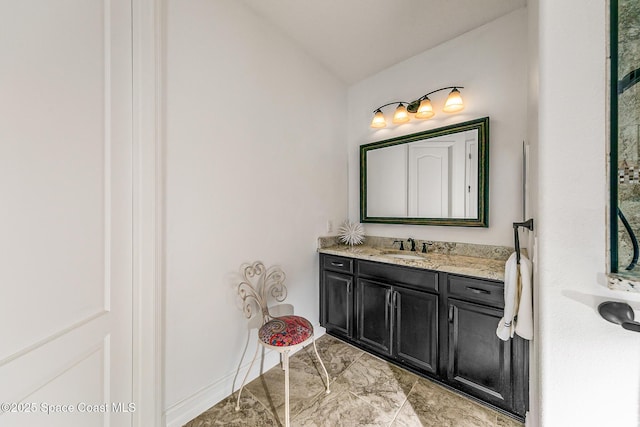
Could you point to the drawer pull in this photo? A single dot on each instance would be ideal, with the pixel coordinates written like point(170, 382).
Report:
point(478, 291)
point(337, 264)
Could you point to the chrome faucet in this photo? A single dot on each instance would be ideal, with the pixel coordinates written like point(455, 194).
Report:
point(413, 244)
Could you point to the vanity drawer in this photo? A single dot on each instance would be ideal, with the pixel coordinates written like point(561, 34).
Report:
point(483, 291)
point(337, 263)
point(410, 277)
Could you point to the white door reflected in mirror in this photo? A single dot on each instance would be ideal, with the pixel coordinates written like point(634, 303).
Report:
point(431, 178)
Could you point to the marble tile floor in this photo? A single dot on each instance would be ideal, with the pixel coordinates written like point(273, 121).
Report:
point(365, 391)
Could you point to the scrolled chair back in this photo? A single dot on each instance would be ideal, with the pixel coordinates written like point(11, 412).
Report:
point(257, 285)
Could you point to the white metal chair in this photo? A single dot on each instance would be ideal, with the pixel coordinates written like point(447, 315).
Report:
point(285, 334)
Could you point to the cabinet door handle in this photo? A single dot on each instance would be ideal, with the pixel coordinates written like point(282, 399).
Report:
point(395, 299)
point(478, 291)
point(450, 313)
point(387, 297)
point(337, 264)
point(348, 287)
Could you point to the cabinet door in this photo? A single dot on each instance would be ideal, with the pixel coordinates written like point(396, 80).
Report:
point(374, 315)
point(337, 303)
point(416, 328)
point(479, 362)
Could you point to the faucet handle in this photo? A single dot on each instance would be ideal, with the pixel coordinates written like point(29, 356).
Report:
point(401, 244)
point(424, 247)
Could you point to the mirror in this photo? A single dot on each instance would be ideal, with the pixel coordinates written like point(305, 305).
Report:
point(625, 139)
point(436, 177)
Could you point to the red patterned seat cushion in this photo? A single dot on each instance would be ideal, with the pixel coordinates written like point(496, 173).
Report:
point(285, 331)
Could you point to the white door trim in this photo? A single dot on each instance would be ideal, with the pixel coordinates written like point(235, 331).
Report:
point(148, 280)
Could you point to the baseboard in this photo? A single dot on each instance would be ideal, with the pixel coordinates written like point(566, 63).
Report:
point(187, 409)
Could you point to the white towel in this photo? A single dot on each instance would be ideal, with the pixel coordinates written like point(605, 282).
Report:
point(518, 304)
point(524, 323)
point(505, 325)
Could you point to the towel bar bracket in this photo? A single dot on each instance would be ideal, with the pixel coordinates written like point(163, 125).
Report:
point(528, 224)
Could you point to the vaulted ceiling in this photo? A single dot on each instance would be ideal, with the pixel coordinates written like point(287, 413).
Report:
point(355, 39)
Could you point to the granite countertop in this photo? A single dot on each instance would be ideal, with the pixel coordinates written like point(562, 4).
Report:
point(486, 268)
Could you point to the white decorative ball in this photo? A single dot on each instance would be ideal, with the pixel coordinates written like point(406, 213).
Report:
point(351, 233)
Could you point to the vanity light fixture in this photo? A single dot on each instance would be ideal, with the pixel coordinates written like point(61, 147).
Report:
point(421, 107)
point(401, 115)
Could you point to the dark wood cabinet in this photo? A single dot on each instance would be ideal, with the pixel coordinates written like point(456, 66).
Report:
point(398, 322)
point(438, 324)
point(337, 303)
point(337, 295)
point(416, 328)
point(478, 361)
point(374, 315)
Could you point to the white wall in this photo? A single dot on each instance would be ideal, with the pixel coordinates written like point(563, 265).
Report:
point(255, 166)
point(491, 63)
point(589, 368)
point(240, 187)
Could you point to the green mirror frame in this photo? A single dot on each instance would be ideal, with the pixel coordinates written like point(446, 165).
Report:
point(482, 219)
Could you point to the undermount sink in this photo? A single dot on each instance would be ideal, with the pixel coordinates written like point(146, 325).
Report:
point(403, 256)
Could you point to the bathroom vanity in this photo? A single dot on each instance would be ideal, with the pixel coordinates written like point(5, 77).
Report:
point(419, 312)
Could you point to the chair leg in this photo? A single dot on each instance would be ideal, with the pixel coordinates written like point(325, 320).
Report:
point(321, 364)
point(286, 387)
point(246, 376)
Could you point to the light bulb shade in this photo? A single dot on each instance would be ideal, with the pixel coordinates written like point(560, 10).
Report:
point(454, 102)
point(425, 110)
point(378, 120)
point(401, 115)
